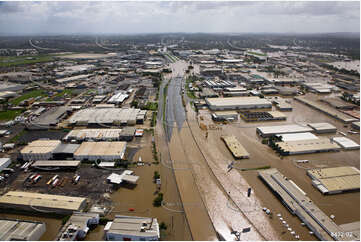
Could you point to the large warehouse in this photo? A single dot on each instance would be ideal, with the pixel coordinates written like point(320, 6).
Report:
point(322, 128)
point(336, 179)
point(306, 146)
point(346, 143)
point(132, 228)
point(21, 230)
point(101, 151)
point(237, 103)
point(39, 150)
point(93, 134)
point(42, 202)
point(268, 131)
point(107, 116)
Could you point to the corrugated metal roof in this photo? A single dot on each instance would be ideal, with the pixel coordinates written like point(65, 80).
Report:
point(42, 200)
point(101, 148)
point(41, 146)
point(235, 147)
point(337, 178)
point(234, 101)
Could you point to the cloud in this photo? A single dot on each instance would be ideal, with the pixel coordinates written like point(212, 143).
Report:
point(178, 16)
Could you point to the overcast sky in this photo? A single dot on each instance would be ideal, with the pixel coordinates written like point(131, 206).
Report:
point(172, 16)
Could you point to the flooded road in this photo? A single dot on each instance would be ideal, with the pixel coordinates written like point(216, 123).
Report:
point(224, 192)
point(204, 198)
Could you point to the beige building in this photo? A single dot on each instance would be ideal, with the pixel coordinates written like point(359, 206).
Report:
point(38, 202)
point(101, 151)
point(39, 150)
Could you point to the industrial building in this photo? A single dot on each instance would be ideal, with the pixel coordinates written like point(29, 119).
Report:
point(224, 115)
point(237, 103)
point(207, 92)
point(4, 163)
point(322, 128)
point(251, 116)
point(305, 146)
point(346, 143)
point(298, 136)
point(56, 164)
point(127, 134)
point(49, 119)
point(352, 229)
point(281, 104)
point(236, 148)
point(64, 151)
point(127, 176)
point(93, 134)
point(132, 228)
point(108, 116)
point(118, 98)
point(319, 87)
point(219, 84)
point(77, 227)
point(101, 151)
point(338, 103)
point(268, 131)
point(72, 78)
point(327, 110)
point(209, 72)
point(38, 202)
point(336, 179)
point(21, 230)
point(41, 149)
point(236, 94)
point(296, 201)
point(356, 125)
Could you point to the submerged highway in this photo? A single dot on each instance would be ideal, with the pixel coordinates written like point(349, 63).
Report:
point(210, 210)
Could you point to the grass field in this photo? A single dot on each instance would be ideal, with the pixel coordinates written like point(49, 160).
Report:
point(60, 94)
point(8, 61)
point(9, 114)
point(27, 95)
point(255, 53)
point(153, 106)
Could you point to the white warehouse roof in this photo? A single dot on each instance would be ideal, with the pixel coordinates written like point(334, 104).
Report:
point(237, 103)
point(322, 127)
point(298, 136)
point(282, 129)
point(346, 143)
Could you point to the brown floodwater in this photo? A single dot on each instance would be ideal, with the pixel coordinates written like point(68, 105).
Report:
point(262, 155)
